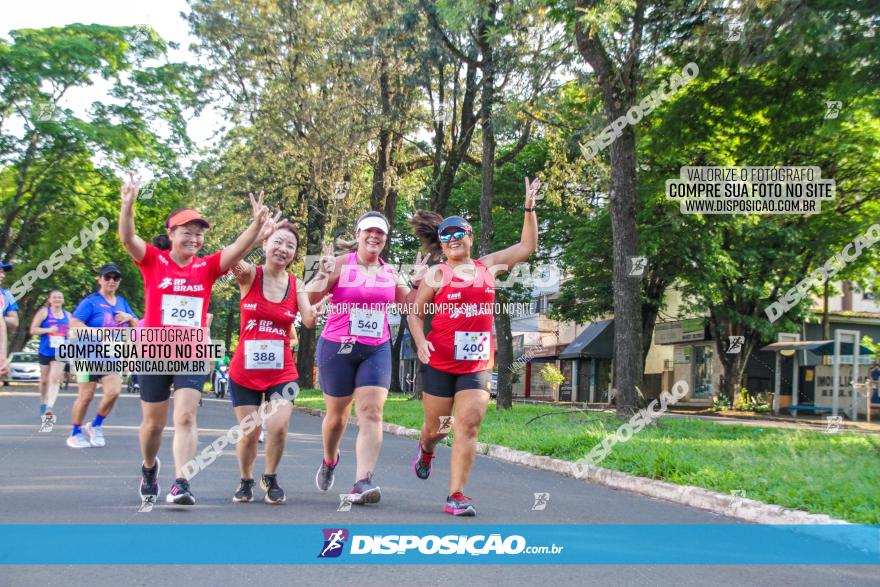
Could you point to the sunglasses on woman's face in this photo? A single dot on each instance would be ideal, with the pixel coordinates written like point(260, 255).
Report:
point(457, 235)
point(112, 277)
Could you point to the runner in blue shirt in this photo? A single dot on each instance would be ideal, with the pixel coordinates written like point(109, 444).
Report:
point(102, 309)
point(10, 309)
point(50, 323)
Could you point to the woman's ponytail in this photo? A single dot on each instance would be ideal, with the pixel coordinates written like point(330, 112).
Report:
point(424, 224)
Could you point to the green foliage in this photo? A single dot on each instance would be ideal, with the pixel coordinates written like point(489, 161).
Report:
point(59, 169)
point(720, 403)
point(552, 375)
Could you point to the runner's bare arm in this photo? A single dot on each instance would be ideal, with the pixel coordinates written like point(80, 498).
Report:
point(528, 241)
point(309, 312)
point(244, 273)
point(11, 320)
point(262, 225)
point(134, 244)
point(36, 330)
point(416, 319)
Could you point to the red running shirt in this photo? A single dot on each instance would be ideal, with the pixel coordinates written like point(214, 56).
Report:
point(263, 358)
point(175, 295)
point(461, 330)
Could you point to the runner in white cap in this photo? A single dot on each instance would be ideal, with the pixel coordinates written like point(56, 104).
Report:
point(354, 350)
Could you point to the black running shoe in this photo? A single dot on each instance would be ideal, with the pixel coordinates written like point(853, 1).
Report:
point(325, 477)
point(365, 492)
point(180, 493)
point(245, 493)
point(149, 482)
point(274, 493)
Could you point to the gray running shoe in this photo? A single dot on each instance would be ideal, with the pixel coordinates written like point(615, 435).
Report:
point(325, 477)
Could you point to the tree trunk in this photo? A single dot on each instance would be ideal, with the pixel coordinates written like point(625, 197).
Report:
point(487, 176)
point(628, 351)
point(505, 360)
point(395, 357)
point(230, 322)
point(17, 338)
point(733, 364)
point(826, 325)
point(460, 144)
point(619, 87)
point(316, 225)
point(649, 320)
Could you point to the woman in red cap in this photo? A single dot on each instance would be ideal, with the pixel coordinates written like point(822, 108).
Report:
point(458, 353)
point(177, 291)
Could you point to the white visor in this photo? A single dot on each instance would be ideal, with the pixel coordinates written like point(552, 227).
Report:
point(373, 222)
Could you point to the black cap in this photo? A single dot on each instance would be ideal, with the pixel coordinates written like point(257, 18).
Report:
point(109, 268)
point(453, 222)
point(5, 266)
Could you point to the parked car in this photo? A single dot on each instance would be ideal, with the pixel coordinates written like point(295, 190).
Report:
point(22, 367)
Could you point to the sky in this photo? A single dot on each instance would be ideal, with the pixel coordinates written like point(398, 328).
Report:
point(163, 16)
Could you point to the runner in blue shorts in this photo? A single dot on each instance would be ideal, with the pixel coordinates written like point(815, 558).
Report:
point(354, 350)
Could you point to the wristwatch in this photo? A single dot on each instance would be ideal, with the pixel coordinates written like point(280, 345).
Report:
point(529, 209)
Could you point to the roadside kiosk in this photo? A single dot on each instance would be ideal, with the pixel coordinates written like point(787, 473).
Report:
point(844, 349)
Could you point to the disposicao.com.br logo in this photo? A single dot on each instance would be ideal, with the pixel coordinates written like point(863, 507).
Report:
point(334, 540)
point(432, 544)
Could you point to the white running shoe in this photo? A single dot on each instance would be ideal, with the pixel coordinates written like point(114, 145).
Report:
point(96, 435)
point(78, 441)
point(47, 423)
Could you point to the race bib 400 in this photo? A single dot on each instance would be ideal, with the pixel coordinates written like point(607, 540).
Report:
point(472, 346)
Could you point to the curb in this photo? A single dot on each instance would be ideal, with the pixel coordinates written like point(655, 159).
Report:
point(731, 506)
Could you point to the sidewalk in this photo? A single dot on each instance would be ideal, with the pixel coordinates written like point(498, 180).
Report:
point(737, 418)
point(769, 421)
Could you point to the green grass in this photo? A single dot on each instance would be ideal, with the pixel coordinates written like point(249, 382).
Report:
point(834, 474)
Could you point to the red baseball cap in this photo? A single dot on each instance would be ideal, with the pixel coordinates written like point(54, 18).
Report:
point(185, 216)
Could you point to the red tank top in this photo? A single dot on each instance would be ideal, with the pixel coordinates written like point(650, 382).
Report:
point(263, 358)
point(461, 330)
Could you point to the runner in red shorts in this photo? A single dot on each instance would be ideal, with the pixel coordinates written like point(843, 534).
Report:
point(177, 291)
point(458, 354)
point(262, 368)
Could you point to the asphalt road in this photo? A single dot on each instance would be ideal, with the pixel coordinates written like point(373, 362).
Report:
point(45, 482)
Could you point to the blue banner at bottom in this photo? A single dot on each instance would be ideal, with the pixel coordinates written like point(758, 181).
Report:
point(631, 544)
